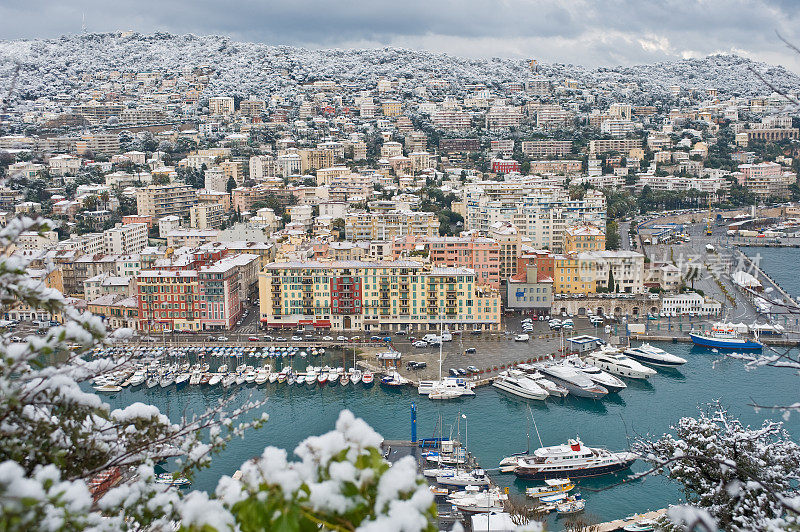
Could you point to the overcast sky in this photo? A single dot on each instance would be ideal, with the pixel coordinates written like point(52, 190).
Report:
point(593, 33)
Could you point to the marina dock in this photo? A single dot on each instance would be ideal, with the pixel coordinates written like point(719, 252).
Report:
point(619, 524)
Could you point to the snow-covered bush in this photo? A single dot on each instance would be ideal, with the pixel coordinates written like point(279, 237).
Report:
point(55, 438)
point(745, 478)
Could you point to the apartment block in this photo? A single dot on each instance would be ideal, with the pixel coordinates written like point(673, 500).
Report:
point(221, 105)
point(388, 225)
point(206, 216)
point(374, 296)
point(125, 239)
point(164, 200)
point(546, 148)
point(477, 253)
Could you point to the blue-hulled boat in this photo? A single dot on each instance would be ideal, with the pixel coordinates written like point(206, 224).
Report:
point(725, 338)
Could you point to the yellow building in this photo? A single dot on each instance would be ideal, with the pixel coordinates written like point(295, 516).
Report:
point(572, 275)
point(585, 237)
point(374, 296)
point(390, 108)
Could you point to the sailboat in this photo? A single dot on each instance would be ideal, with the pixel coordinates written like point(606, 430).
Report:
point(444, 389)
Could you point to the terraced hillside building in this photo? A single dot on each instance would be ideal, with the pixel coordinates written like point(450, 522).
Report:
point(375, 296)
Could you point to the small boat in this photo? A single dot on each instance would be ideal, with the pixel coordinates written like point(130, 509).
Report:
point(138, 378)
point(152, 382)
point(261, 376)
point(169, 479)
point(322, 378)
point(367, 378)
point(228, 380)
point(108, 388)
point(194, 380)
point(311, 377)
point(476, 477)
point(182, 380)
point(301, 379)
point(239, 378)
point(439, 492)
point(553, 486)
point(356, 376)
point(473, 500)
point(250, 376)
point(166, 380)
point(290, 379)
point(215, 379)
point(436, 471)
point(573, 505)
point(345, 380)
point(273, 377)
point(654, 356)
point(642, 525)
point(394, 379)
point(333, 376)
point(443, 394)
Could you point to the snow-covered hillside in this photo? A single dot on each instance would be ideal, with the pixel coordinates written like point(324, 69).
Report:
point(50, 67)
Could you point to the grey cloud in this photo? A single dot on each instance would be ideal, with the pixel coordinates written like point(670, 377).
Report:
point(577, 31)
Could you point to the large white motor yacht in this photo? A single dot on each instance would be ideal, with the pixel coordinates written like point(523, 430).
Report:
point(517, 383)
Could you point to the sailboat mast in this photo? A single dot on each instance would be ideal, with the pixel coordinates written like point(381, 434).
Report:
point(537, 432)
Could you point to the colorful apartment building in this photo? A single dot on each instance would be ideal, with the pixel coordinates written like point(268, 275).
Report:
point(374, 296)
point(586, 237)
point(477, 253)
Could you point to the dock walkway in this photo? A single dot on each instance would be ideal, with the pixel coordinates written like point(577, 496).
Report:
point(619, 524)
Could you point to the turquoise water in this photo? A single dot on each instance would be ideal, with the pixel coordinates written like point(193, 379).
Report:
point(496, 422)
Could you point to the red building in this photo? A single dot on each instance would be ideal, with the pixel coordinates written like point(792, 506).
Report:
point(505, 166)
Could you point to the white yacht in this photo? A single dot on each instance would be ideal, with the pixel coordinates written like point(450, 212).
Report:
point(456, 383)
point(613, 361)
point(517, 383)
point(654, 356)
point(472, 499)
point(609, 382)
point(572, 460)
point(138, 377)
point(476, 477)
point(578, 383)
point(555, 390)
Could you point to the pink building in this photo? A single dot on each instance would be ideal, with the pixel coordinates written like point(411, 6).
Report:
point(478, 253)
point(750, 172)
point(505, 166)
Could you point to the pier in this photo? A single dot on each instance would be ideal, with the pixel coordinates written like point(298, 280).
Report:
point(619, 524)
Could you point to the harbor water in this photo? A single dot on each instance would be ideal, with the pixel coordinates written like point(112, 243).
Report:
point(496, 423)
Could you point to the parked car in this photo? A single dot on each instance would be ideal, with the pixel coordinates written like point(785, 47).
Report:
point(280, 339)
point(472, 369)
point(222, 338)
point(297, 338)
point(327, 338)
point(470, 350)
point(341, 338)
point(269, 338)
point(454, 372)
point(253, 339)
point(420, 343)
